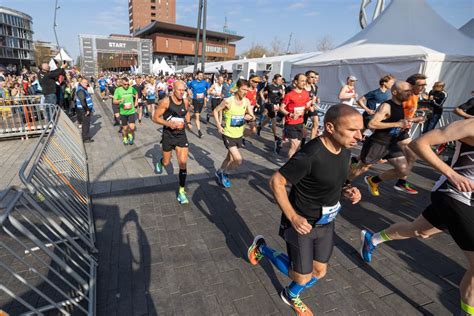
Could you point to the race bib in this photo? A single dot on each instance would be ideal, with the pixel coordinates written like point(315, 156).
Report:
point(237, 120)
point(276, 107)
point(329, 213)
point(179, 121)
point(127, 106)
point(299, 110)
point(199, 95)
point(139, 100)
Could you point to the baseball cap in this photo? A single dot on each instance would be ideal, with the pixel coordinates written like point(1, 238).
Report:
point(352, 78)
point(255, 78)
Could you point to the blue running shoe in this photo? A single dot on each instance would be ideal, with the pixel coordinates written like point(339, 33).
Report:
point(159, 167)
point(225, 181)
point(218, 176)
point(366, 247)
point(182, 198)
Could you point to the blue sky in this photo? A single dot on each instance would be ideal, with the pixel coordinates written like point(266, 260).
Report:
point(260, 21)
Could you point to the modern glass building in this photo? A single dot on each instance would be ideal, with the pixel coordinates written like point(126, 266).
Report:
point(16, 39)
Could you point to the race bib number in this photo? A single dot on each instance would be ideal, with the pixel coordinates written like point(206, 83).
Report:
point(299, 110)
point(199, 95)
point(237, 120)
point(139, 100)
point(276, 107)
point(178, 121)
point(127, 106)
point(329, 213)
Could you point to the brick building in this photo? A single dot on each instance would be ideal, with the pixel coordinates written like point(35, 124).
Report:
point(143, 12)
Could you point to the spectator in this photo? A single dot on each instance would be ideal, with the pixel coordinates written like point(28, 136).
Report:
point(47, 81)
point(84, 108)
point(437, 97)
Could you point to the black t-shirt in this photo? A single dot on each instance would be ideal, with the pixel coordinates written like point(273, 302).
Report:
point(274, 93)
point(438, 100)
point(468, 107)
point(139, 88)
point(317, 177)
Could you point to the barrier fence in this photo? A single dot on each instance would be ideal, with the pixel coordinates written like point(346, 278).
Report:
point(24, 116)
point(47, 234)
point(42, 266)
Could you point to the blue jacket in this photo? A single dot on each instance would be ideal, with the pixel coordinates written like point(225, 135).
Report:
point(88, 99)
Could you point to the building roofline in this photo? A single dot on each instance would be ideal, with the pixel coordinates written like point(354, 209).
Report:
point(15, 12)
point(156, 26)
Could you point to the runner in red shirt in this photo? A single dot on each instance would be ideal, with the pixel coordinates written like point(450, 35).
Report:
point(294, 105)
point(252, 96)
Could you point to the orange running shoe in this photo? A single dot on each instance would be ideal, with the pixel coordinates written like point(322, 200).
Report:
point(254, 253)
point(296, 303)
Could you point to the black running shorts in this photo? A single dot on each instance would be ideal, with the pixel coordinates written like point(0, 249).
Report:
point(198, 104)
point(232, 142)
point(215, 102)
point(151, 101)
point(444, 212)
point(372, 151)
point(304, 249)
point(170, 141)
point(270, 110)
point(294, 131)
point(127, 119)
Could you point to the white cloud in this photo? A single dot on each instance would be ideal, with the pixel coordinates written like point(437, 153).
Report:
point(298, 5)
point(311, 13)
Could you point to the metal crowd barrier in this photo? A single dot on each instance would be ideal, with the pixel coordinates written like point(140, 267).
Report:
point(44, 268)
point(24, 116)
point(56, 172)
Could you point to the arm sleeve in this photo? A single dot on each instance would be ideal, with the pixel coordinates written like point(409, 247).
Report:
point(82, 98)
point(296, 168)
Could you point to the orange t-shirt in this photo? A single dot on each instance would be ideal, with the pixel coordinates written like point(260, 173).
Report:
point(410, 106)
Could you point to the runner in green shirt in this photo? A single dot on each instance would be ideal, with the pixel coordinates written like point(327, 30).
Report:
point(126, 98)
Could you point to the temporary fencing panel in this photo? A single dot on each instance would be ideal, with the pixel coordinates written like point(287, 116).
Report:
point(24, 116)
point(43, 267)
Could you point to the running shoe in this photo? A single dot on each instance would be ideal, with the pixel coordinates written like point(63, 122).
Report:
point(406, 187)
point(373, 187)
point(225, 180)
point(366, 247)
point(199, 134)
point(182, 198)
point(296, 303)
point(219, 176)
point(125, 141)
point(159, 167)
point(278, 145)
point(253, 253)
point(130, 139)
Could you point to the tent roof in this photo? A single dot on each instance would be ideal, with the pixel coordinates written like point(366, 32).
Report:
point(468, 28)
point(65, 56)
point(406, 28)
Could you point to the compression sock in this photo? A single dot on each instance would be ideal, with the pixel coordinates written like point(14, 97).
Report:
point(295, 289)
point(401, 182)
point(278, 259)
point(380, 237)
point(376, 179)
point(182, 177)
point(468, 309)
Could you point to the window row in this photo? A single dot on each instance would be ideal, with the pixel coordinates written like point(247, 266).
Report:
point(15, 53)
point(15, 21)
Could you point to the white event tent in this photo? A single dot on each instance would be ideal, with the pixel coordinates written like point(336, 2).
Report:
point(65, 57)
point(407, 38)
point(468, 28)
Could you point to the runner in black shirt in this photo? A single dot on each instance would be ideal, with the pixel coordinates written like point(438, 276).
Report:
point(139, 86)
point(317, 174)
point(466, 110)
point(272, 96)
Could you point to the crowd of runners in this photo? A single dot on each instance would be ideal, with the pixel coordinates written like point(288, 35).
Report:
point(320, 169)
point(321, 165)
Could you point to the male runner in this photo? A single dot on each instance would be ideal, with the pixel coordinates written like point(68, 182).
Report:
point(251, 95)
point(317, 174)
point(466, 110)
point(140, 86)
point(198, 90)
point(172, 113)
point(312, 78)
point(389, 123)
point(102, 86)
point(295, 103)
point(215, 92)
point(234, 110)
point(452, 202)
point(125, 98)
point(272, 96)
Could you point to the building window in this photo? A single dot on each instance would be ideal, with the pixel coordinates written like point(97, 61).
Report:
point(153, 7)
point(180, 44)
point(166, 43)
point(153, 1)
point(153, 14)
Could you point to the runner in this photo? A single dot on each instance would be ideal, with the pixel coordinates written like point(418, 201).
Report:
point(251, 95)
point(216, 94)
point(466, 110)
point(389, 123)
point(126, 98)
point(150, 95)
point(235, 110)
point(140, 86)
point(172, 113)
point(347, 94)
point(293, 107)
point(317, 174)
point(452, 202)
point(115, 107)
point(272, 96)
point(102, 86)
point(312, 78)
point(161, 87)
point(198, 90)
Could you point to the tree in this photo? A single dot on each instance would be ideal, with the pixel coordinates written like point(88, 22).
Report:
point(277, 47)
point(255, 51)
point(325, 44)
